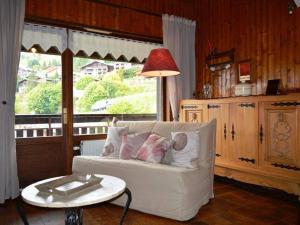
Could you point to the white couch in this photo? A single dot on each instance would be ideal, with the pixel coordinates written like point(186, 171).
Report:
point(159, 189)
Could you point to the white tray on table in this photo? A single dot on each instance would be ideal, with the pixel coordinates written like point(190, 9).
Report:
point(70, 185)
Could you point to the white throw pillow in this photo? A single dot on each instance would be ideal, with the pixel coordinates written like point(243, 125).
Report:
point(113, 141)
point(205, 146)
point(185, 151)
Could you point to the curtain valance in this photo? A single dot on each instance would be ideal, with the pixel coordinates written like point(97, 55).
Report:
point(104, 45)
point(45, 36)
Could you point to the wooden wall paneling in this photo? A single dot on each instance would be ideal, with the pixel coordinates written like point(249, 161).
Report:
point(184, 8)
point(259, 30)
point(283, 49)
point(276, 43)
point(297, 50)
point(253, 43)
point(270, 30)
point(85, 13)
point(258, 48)
point(291, 52)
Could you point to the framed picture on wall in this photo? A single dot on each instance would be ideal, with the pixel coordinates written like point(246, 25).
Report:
point(244, 72)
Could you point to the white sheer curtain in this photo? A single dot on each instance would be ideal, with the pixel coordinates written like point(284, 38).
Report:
point(179, 38)
point(103, 45)
point(11, 29)
point(45, 36)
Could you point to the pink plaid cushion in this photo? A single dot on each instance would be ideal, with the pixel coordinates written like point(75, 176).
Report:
point(131, 144)
point(154, 148)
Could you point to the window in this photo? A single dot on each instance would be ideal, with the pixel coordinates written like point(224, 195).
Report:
point(101, 89)
point(116, 92)
point(38, 96)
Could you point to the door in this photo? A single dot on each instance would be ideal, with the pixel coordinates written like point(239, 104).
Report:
point(192, 112)
point(280, 136)
point(220, 112)
point(39, 128)
point(243, 133)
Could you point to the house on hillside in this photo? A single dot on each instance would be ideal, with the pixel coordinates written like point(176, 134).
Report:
point(96, 68)
point(49, 73)
point(23, 72)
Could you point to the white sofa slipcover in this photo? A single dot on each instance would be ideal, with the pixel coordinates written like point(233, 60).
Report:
point(159, 189)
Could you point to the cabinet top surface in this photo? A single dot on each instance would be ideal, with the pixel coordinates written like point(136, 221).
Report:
point(253, 98)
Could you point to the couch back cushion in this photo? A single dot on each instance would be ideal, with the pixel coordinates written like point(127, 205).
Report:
point(162, 128)
point(207, 134)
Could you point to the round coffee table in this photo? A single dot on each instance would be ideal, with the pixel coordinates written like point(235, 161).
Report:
point(111, 187)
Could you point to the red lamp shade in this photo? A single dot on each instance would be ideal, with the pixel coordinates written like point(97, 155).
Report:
point(160, 64)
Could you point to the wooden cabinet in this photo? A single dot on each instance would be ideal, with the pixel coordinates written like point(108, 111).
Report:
point(193, 112)
point(220, 112)
point(280, 137)
point(243, 133)
point(257, 139)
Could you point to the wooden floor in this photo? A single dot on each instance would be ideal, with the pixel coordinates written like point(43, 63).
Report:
point(234, 203)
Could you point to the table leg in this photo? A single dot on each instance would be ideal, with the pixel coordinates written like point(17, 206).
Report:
point(21, 211)
point(129, 198)
point(73, 216)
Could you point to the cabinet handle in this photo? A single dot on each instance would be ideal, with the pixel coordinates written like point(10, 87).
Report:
point(189, 107)
point(225, 131)
point(210, 106)
point(285, 103)
point(218, 155)
point(285, 166)
point(246, 105)
point(232, 132)
point(247, 160)
point(261, 134)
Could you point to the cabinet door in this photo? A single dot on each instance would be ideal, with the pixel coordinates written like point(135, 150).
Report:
point(280, 136)
point(244, 133)
point(220, 112)
point(194, 113)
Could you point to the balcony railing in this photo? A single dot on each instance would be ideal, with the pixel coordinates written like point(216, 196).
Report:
point(84, 124)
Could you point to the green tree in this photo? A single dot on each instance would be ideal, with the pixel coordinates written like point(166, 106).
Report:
point(130, 73)
point(45, 98)
point(83, 82)
point(33, 62)
point(55, 62)
point(123, 107)
point(121, 74)
point(141, 103)
point(92, 93)
point(32, 82)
